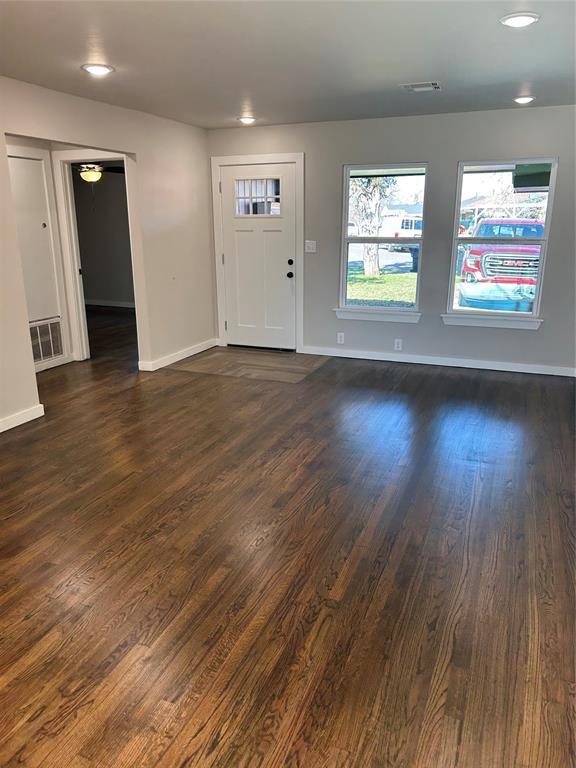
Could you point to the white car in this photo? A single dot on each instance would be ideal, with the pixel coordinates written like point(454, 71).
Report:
point(408, 225)
point(405, 225)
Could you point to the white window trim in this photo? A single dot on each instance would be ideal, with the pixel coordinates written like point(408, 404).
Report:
point(384, 314)
point(497, 320)
point(490, 318)
point(381, 314)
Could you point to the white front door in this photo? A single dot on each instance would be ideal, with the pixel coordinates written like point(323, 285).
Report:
point(259, 236)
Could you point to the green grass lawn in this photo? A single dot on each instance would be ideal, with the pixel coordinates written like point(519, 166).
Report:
point(391, 290)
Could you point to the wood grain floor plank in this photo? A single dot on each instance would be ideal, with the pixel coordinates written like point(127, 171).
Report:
point(265, 559)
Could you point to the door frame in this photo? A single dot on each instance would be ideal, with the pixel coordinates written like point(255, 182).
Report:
point(28, 152)
point(217, 163)
point(63, 161)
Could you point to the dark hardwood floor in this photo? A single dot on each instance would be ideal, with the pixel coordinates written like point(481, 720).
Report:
point(372, 568)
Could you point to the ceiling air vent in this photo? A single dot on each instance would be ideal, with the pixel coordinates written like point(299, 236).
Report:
point(421, 87)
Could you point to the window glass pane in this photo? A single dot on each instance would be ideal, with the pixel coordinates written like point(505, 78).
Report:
point(497, 277)
point(385, 203)
point(380, 275)
point(258, 187)
point(242, 189)
point(257, 197)
point(273, 187)
point(506, 202)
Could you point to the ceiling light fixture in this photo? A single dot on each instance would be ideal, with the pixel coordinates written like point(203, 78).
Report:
point(524, 99)
point(519, 20)
point(247, 119)
point(91, 173)
point(97, 70)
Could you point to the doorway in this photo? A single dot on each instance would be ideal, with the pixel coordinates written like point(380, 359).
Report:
point(258, 226)
point(113, 301)
point(104, 250)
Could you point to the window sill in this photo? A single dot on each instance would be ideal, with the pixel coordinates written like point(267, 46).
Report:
point(496, 321)
point(380, 315)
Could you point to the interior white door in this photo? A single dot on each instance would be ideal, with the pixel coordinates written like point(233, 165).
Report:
point(259, 236)
point(30, 182)
point(32, 220)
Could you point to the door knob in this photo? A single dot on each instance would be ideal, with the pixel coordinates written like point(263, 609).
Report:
point(289, 274)
point(290, 261)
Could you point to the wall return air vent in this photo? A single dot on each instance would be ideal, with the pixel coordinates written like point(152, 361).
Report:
point(46, 337)
point(433, 85)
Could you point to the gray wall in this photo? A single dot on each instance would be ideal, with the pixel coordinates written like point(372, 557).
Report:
point(441, 141)
point(103, 234)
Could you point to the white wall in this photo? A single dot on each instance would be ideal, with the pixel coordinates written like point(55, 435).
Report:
point(104, 238)
point(174, 210)
point(440, 140)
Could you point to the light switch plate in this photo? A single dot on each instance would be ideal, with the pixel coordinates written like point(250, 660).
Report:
point(309, 246)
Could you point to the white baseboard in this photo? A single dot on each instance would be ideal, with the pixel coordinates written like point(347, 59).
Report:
point(454, 362)
point(161, 362)
point(105, 303)
point(21, 417)
point(43, 365)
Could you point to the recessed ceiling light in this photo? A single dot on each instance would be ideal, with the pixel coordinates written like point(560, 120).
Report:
point(97, 70)
point(518, 20)
point(524, 99)
point(247, 119)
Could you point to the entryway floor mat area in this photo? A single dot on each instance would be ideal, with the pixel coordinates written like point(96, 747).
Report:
point(265, 365)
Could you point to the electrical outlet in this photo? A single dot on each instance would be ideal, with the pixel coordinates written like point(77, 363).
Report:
point(339, 338)
point(397, 345)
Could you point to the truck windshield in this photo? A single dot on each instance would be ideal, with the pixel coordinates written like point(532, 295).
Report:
point(511, 229)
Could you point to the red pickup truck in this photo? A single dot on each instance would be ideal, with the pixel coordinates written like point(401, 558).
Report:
point(496, 263)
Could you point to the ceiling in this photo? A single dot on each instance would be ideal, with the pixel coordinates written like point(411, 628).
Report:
point(204, 63)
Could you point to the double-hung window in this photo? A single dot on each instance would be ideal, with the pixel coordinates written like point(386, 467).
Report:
point(381, 242)
point(501, 232)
